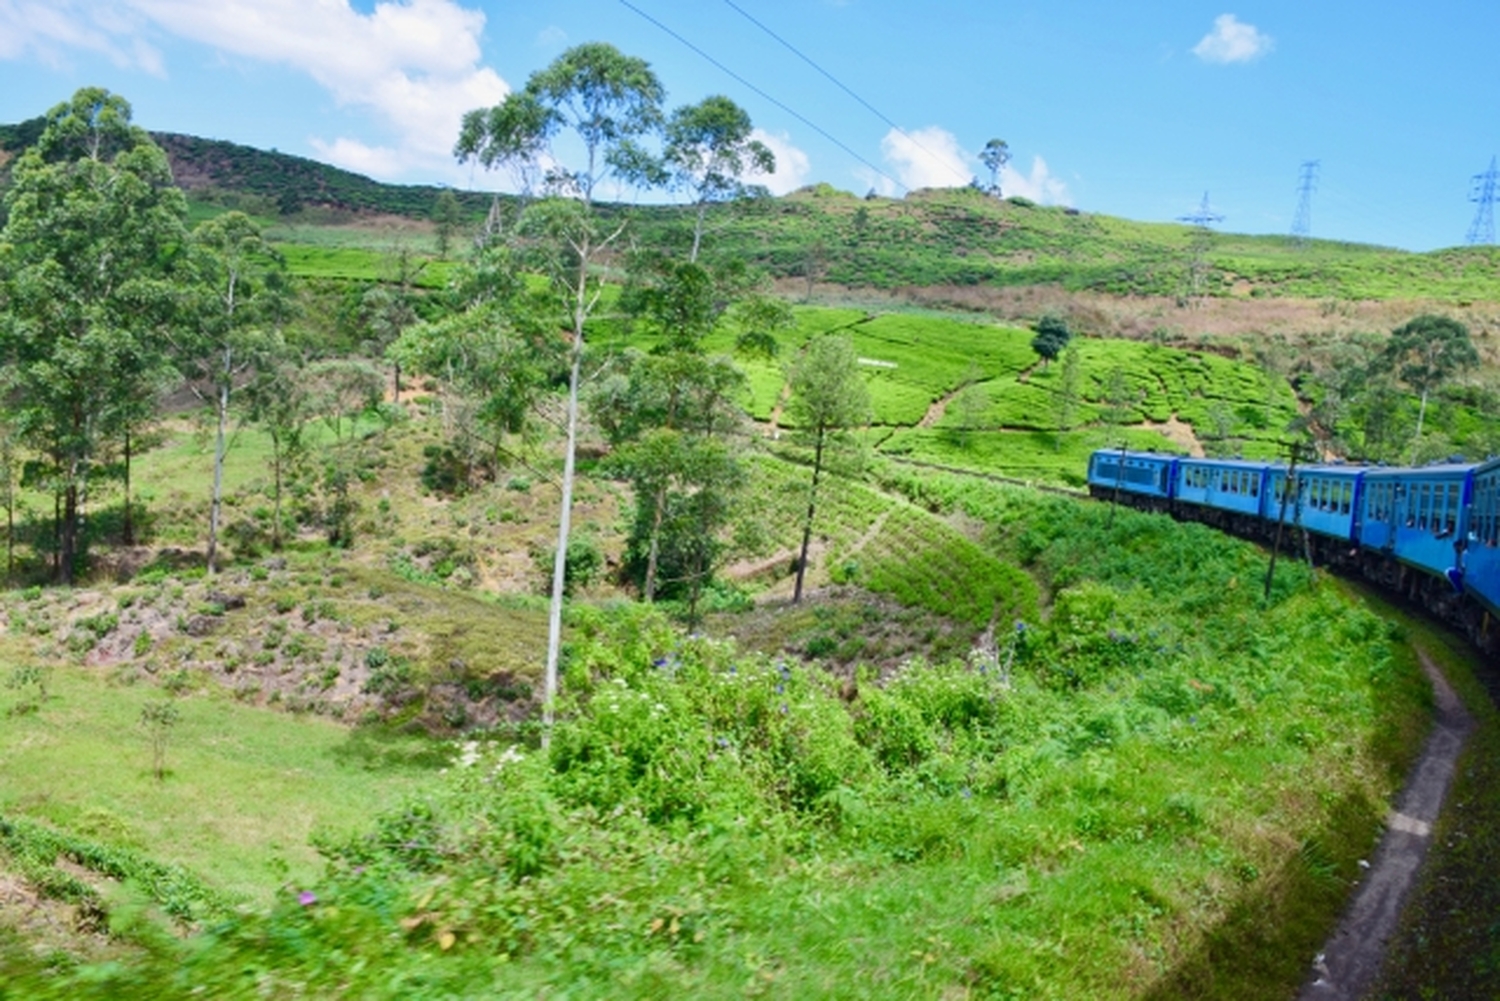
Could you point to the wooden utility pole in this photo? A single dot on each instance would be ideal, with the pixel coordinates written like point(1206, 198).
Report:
point(1287, 490)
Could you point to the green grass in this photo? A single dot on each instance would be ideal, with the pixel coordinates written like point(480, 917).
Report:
point(1040, 456)
point(351, 262)
point(245, 787)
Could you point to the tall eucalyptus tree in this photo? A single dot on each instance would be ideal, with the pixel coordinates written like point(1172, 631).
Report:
point(241, 286)
point(94, 234)
point(601, 99)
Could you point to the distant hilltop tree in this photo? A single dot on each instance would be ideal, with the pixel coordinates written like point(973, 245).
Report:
point(1052, 336)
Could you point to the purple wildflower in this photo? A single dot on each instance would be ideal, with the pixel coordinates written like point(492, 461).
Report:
point(307, 898)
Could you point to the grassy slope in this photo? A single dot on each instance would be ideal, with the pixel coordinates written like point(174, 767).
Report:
point(245, 787)
point(960, 238)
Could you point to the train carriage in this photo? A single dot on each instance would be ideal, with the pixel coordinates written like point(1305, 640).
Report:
point(1327, 500)
point(1481, 556)
point(1233, 485)
point(1144, 474)
point(1418, 517)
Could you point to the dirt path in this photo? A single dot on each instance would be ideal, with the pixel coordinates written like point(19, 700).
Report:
point(1350, 961)
point(1179, 433)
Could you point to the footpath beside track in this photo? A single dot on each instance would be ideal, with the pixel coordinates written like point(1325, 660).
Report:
point(1352, 959)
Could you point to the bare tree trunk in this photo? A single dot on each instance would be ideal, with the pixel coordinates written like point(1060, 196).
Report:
point(1421, 416)
point(660, 502)
point(219, 448)
point(128, 529)
point(276, 501)
point(67, 552)
point(698, 233)
point(560, 561)
point(812, 498)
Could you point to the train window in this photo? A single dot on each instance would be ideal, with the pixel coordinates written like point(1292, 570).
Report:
point(1492, 512)
point(1424, 506)
point(1255, 485)
point(1346, 501)
point(1450, 512)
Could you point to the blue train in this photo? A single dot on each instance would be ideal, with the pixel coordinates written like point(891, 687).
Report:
point(1431, 533)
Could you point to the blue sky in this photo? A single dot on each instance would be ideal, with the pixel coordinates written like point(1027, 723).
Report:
point(1132, 110)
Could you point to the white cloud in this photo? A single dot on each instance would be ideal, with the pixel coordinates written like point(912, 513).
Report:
point(551, 37)
point(1232, 41)
point(351, 154)
point(48, 29)
point(414, 63)
point(926, 158)
point(792, 165)
point(1039, 186)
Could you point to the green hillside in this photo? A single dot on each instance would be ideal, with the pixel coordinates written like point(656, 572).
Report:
point(958, 238)
point(962, 237)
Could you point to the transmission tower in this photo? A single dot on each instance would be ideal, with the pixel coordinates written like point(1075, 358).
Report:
point(1202, 220)
point(1307, 183)
point(1204, 217)
point(1482, 190)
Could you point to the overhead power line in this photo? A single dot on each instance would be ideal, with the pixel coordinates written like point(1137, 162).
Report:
point(965, 178)
point(784, 107)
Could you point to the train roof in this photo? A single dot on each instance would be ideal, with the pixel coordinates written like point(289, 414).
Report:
point(1437, 469)
point(1330, 469)
point(1129, 454)
point(1230, 463)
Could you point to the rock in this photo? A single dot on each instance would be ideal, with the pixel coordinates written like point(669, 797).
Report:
point(228, 602)
point(201, 625)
